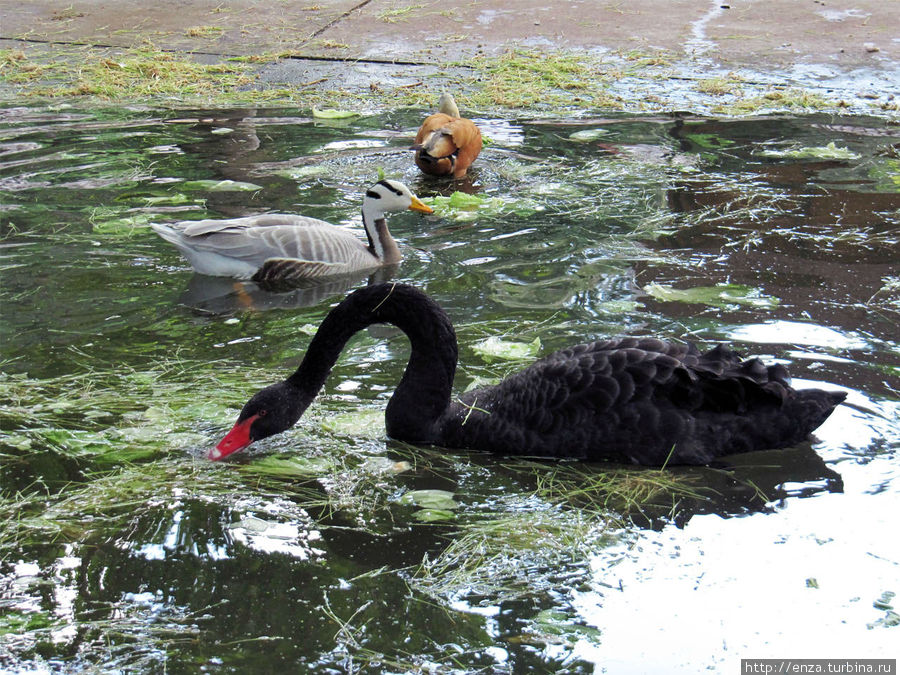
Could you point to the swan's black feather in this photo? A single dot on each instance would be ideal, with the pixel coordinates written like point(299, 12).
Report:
point(640, 400)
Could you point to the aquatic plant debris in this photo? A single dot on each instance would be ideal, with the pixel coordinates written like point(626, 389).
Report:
point(890, 619)
point(123, 549)
point(587, 135)
point(359, 423)
point(332, 114)
point(461, 206)
point(513, 554)
point(494, 348)
point(220, 186)
point(885, 601)
point(830, 151)
point(291, 466)
point(715, 296)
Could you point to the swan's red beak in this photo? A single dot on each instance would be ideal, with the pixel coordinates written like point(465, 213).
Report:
point(236, 439)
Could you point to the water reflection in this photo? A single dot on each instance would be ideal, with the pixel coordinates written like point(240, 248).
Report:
point(107, 374)
point(793, 332)
point(219, 296)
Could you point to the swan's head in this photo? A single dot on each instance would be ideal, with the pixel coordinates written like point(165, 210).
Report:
point(388, 196)
point(271, 411)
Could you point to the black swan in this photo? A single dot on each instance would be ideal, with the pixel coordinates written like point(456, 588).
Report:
point(638, 400)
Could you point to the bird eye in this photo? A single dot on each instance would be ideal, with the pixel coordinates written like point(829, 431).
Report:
point(263, 413)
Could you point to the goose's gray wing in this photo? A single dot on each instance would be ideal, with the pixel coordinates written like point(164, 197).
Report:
point(199, 228)
point(313, 247)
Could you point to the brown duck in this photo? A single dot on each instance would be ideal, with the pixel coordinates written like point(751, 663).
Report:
point(447, 143)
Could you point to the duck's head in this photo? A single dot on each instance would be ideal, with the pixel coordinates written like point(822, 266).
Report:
point(388, 196)
point(447, 105)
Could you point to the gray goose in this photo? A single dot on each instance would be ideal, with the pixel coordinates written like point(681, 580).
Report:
point(280, 247)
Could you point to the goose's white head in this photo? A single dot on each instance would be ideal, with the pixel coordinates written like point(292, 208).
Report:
point(388, 196)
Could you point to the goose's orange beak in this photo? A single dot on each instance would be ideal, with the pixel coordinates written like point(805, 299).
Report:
point(419, 205)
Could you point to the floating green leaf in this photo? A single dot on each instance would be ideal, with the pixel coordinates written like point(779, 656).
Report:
point(830, 151)
point(617, 306)
point(332, 114)
point(308, 329)
point(495, 348)
point(433, 515)
point(173, 199)
point(886, 174)
point(478, 382)
point(288, 466)
point(123, 225)
point(715, 296)
point(220, 186)
point(557, 623)
point(462, 206)
point(430, 499)
point(365, 422)
point(155, 198)
point(464, 200)
point(587, 135)
point(710, 141)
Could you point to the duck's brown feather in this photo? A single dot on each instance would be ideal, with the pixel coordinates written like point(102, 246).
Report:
point(447, 145)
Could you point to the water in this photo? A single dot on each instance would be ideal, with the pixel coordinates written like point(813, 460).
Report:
point(332, 549)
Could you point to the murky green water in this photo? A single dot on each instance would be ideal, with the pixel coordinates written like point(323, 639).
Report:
point(333, 549)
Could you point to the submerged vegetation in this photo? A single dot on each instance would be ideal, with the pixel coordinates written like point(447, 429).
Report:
point(331, 547)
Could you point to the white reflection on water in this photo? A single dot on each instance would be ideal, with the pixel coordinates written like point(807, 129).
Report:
point(796, 584)
point(352, 144)
point(795, 332)
point(501, 132)
point(268, 527)
point(272, 537)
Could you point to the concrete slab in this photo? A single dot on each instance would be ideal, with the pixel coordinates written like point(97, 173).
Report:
point(233, 27)
point(847, 48)
point(438, 32)
point(850, 34)
point(861, 33)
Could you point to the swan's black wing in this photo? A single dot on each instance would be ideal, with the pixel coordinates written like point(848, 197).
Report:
point(640, 400)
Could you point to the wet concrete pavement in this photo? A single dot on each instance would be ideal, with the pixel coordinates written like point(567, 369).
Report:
point(854, 44)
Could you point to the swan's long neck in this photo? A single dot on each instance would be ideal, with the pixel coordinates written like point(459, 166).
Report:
point(381, 243)
point(423, 394)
